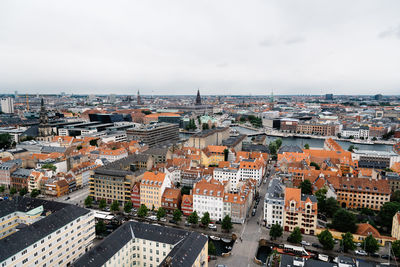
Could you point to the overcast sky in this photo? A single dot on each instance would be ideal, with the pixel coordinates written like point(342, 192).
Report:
point(221, 47)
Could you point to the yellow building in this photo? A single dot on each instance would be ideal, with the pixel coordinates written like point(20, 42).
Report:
point(363, 230)
point(152, 188)
point(212, 155)
point(396, 226)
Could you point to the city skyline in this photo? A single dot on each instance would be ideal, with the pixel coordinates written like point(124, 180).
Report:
point(222, 48)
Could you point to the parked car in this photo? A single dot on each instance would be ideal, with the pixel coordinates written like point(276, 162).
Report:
point(386, 257)
point(358, 244)
point(361, 252)
point(188, 224)
point(152, 217)
point(305, 243)
point(173, 221)
point(68, 198)
point(316, 245)
point(375, 255)
point(212, 226)
point(253, 213)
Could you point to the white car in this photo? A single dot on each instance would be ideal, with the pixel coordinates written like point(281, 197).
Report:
point(153, 218)
point(305, 243)
point(361, 252)
point(212, 226)
point(163, 219)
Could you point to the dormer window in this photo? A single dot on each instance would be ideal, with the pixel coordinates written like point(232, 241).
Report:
point(197, 191)
point(205, 191)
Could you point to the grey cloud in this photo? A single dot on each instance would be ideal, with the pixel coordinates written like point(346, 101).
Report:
point(391, 32)
point(222, 65)
point(295, 40)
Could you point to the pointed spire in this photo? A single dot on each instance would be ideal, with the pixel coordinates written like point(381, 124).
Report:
point(198, 98)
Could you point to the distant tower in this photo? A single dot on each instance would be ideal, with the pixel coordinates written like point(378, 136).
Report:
point(45, 131)
point(198, 98)
point(139, 100)
point(271, 100)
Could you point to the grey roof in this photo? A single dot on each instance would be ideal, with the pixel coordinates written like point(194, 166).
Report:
point(289, 148)
point(208, 132)
point(255, 148)
point(156, 151)
point(287, 260)
point(22, 173)
point(275, 190)
point(50, 149)
point(233, 140)
point(187, 244)
point(61, 214)
point(312, 197)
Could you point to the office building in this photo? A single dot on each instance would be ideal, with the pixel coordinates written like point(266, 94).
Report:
point(209, 137)
point(7, 105)
point(37, 232)
point(328, 96)
point(154, 134)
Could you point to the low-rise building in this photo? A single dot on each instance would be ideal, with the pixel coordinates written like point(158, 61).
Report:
point(171, 199)
point(187, 204)
point(20, 178)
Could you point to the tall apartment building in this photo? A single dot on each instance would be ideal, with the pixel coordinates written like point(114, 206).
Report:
point(251, 169)
point(356, 193)
point(274, 203)
point(228, 176)
point(154, 134)
point(208, 196)
point(300, 211)
point(140, 244)
point(37, 232)
point(152, 187)
point(396, 226)
point(7, 105)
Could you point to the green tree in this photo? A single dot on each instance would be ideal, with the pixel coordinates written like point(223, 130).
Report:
point(344, 221)
point(100, 227)
point(226, 153)
point(396, 248)
point(205, 126)
point(115, 205)
point(35, 193)
point(5, 141)
point(295, 236)
point(93, 142)
point(307, 146)
point(152, 208)
point(146, 112)
point(128, 206)
point(2, 188)
point(102, 203)
point(351, 148)
point(49, 166)
point(374, 138)
point(331, 206)
point(161, 213)
point(79, 147)
point(395, 196)
point(371, 244)
point(347, 242)
point(193, 218)
point(211, 248)
point(13, 191)
point(227, 223)
point(23, 191)
point(88, 201)
point(386, 214)
point(326, 239)
point(275, 231)
point(321, 199)
point(317, 167)
point(205, 220)
point(177, 215)
point(306, 187)
point(272, 148)
point(185, 190)
point(278, 143)
point(142, 212)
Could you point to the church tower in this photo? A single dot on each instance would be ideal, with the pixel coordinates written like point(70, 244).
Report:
point(45, 132)
point(139, 100)
point(198, 98)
